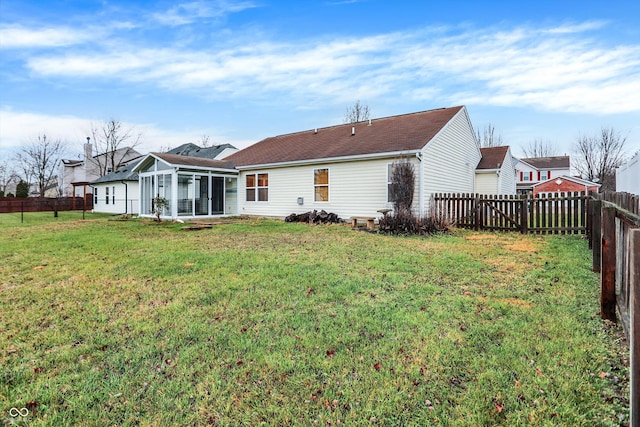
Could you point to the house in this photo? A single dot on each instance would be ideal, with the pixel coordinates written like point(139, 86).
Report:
point(564, 184)
point(628, 176)
point(77, 174)
point(345, 169)
point(530, 171)
point(117, 192)
point(495, 174)
point(215, 152)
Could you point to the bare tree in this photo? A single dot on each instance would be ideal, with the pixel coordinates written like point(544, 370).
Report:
point(7, 177)
point(539, 148)
point(598, 156)
point(39, 160)
point(488, 138)
point(402, 185)
point(358, 112)
point(205, 141)
point(112, 142)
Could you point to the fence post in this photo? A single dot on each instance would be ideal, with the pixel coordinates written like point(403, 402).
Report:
point(634, 326)
point(608, 265)
point(524, 215)
point(596, 233)
point(476, 209)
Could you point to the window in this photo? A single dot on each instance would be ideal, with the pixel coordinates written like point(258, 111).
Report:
point(113, 194)
point(389, 172)
point(106, 195)
point(95, 196)
point(263, 187)
point(251, 188)
point(257, 185)
point(321, 185)
point(525, 177)
point(544, 176)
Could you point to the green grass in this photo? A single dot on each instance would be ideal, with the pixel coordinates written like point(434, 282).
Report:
point(261, 322)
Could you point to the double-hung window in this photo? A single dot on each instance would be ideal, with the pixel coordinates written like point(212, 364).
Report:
point(321, 185)
point(106, 195)
point(257, 187)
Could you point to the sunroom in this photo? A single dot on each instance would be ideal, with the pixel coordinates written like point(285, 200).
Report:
point(194, 187)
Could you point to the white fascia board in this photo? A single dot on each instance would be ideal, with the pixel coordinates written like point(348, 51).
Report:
point(188, 168)
point(150, 155)
point(372, 156)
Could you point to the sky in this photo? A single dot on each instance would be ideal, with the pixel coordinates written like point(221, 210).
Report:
point(241, 71)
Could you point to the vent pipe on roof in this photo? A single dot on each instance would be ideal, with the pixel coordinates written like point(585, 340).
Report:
point(353, 130)
point(315, 130)
point(369, 122)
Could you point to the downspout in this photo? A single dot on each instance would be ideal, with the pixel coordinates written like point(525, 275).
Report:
point(420, 184)
point(126, 196)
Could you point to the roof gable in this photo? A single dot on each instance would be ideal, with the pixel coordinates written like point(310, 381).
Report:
point(575, 179)
point(408, 132)
point(493, 157)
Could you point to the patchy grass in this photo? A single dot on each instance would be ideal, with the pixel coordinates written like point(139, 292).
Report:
point(262, 322)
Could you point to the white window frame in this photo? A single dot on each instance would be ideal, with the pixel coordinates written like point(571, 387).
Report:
point(257, 187)
point(316, 186)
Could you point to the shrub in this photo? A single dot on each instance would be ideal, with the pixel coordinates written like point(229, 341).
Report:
point(405, 222)
point(159, 205)
point(402, 184)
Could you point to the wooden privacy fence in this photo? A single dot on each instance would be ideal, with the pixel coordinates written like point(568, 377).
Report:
point(615, 241)
point(559, 213)
point(37, 204)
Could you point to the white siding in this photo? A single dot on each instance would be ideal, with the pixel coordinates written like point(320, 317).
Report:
point(487, 182)
point(450, 160)
point(628, 176)
point(507, 180)
point(356, 188)
point(129, 205)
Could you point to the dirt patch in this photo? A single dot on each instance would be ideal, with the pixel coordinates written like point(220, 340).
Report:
point(523, 246)
point(482, 237)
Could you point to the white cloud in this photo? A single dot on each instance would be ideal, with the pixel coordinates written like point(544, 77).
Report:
point(19, 127)
point(189, 12)
point(17, 36)
point(555, 69)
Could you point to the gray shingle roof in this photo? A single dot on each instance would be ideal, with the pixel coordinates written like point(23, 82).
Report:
point(125, 173)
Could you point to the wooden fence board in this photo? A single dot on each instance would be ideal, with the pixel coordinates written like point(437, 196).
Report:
point(564, 213)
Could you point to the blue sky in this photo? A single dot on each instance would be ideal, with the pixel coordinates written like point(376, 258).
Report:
point(240, 71)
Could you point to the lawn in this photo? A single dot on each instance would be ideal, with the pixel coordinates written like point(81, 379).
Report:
point(261, 322)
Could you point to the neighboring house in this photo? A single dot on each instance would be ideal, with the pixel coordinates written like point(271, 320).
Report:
point(628, 176)
point(530, 171)
point(564, 184)
point(76, 174)
point(194, 186)
point(216, 152)
point(495, 174)
point(345, 169)
point(117, 192)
